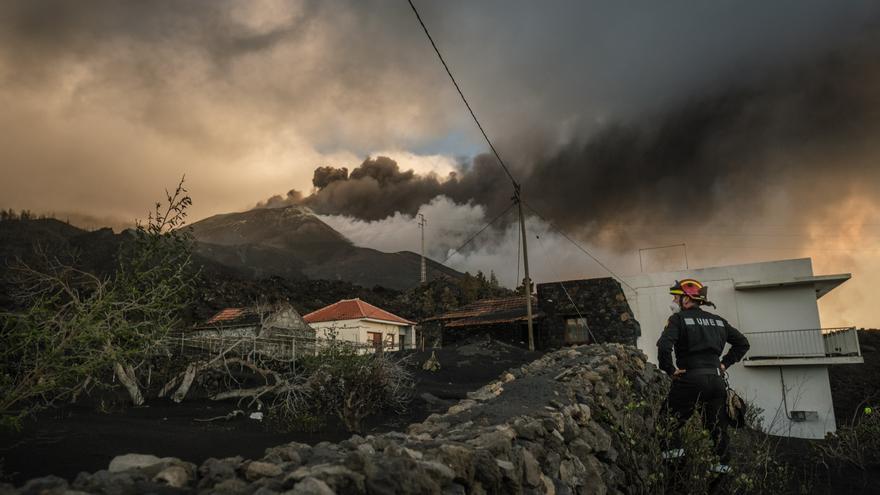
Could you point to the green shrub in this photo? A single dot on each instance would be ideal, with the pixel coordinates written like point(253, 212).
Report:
point(856, 444)
point(78, 329)
point(643, 431)
point(353, 385)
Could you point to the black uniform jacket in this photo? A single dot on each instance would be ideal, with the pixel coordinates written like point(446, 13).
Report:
point(698, 338)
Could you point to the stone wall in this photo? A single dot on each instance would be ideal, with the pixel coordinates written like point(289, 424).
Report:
point(288, 322)
point(550, 427)
point(600, 300)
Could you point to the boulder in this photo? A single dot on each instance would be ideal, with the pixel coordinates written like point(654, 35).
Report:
point(311, 486)
point(132, 461)
point(48, 485)
point(174, 476)
point(256, 470)
point(214, 471)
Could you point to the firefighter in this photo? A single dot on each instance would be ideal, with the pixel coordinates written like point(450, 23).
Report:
point(698, 338)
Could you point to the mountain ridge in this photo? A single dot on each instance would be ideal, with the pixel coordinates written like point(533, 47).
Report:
point(292, 242)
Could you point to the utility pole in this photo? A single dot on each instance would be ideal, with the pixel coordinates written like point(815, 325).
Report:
point(527, 283)
point(422, 223)
point(516, 187)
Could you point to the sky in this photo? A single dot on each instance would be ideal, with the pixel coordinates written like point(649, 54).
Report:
point(744, 130)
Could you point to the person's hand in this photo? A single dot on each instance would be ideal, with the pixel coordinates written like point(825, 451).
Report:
point(678, 373)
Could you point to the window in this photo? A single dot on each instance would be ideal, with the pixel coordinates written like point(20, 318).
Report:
point(374, 338)
point(577, 331)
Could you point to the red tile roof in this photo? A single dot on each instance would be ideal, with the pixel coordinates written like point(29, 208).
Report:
point(488, 312)
point(227, 315)
point(353, 309)
point(485, 307)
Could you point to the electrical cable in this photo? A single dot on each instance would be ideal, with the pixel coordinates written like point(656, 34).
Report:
point(563, 234)
point(592, 337)
point(516, 185)
point(486, 137)
point(869, 249)
point(456, 250)
point(784, 394)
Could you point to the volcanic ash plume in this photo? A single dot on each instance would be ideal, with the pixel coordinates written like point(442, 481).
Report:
point(733, 154)
point(378, 189)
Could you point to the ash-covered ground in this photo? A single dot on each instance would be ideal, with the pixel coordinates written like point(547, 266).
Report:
point(72, 439)
point(75, 438)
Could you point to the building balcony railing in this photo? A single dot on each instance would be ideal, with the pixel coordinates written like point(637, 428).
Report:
point(804, 346)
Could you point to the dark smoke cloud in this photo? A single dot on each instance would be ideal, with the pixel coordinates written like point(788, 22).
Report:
point(378, 188)
point(293, 197)
point(804, 132)
point(325, 175)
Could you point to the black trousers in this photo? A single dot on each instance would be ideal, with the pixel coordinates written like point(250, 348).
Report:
point(708, 393)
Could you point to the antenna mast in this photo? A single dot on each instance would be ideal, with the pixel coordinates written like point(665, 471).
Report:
point(422, 223)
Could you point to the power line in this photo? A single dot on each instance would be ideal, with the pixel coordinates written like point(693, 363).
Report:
point(563, 234)
point(803, 247)
point(592, 337)
point(692, 233)
point(459, 248)
point(869, 249)
point(574, 304)
point(516, 187)
point(779, 225)
point(442, 61)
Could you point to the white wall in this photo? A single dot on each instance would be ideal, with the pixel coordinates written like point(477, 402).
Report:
point(756, 310)
point(806, 389)
point(652, 309)
point(790, 308)
point(356, 331)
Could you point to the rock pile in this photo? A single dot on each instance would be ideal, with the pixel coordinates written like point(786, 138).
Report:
point(551, 427)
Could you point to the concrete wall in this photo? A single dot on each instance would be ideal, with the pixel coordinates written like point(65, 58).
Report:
point(783, 308)
point(806, 389)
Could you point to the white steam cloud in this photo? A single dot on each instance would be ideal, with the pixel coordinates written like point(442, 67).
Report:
point(497, 249)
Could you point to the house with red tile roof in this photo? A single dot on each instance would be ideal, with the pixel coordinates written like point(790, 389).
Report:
point(360, 322)
point(254, 321)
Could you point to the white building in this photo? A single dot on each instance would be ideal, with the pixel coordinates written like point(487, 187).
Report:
point(785, 373)
point(362, 323)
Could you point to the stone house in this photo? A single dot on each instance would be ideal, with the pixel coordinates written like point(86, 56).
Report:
point(363, 324)
point(563, 313)
point(585, 311)
point(504, 319)
point(256, 321)
point(276, 331)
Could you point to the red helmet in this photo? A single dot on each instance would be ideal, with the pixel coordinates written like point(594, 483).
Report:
point(691, 288)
